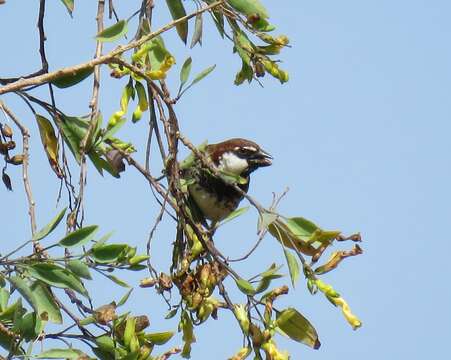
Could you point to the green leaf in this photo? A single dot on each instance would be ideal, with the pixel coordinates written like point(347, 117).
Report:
point(178, 11)
point(69, 4)
point(4, 298)
point(267, 276)
point(186, 325)
point(283, 234)
point(171, 313)
point(114, 129)
point(234, 214)
point(118, 281)
point(60, 354)
point(73, 130)
point(218, 19)
point(197, 36)
point(23, 286)
point(301, 227)
point(79, 237)
point(50, 226)
point(9, 314)
point(105, 343)
point(68, 80)
point(203, 74)
point(159, 338)
point(27, 326)
point(108, 253)
point(113, 32)
point(250, 8)
point(297, 327)
point(57, 276)
point(79, 268)
point(101, 164)
point(46, 303)
point(124, 298)
point(293, 266)
point(185, 71)
point(245, 286)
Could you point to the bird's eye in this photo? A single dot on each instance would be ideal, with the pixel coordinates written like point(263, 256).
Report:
point(246, 150)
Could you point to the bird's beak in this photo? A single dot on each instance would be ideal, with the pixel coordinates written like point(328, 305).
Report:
point(262, 158)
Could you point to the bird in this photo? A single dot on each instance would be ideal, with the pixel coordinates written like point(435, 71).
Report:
point(215, 197)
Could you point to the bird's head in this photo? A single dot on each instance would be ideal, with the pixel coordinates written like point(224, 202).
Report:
point(238, 156)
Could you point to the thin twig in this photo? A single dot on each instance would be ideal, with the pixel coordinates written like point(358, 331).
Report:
point(25, 175)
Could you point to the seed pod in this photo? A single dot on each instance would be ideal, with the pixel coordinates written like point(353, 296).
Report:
point(7, 181)
point(259, 69)
point(105, 313)
point(10, 145)
point(148, 282)
point(3, 148)
point(16, 159)
point(7, 131)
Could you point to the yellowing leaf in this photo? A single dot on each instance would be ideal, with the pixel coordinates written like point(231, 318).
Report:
point(50, 143)
point(297, 327)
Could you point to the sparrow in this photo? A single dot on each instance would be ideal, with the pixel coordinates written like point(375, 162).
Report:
point(236, 158)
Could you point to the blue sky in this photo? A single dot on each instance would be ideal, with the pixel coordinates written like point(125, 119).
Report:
point(360, 134)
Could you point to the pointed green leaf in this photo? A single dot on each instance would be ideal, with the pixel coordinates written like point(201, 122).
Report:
point(293, 266)
point(297, 327)
point(68, 80)
point(118, 281)
point(23, 286)
point(79, 268)
point(69, 4)
point(301, 227)
point(108, 253)
point(57, 276)
point(234, 214)
point(159, 338)
point(171, 313)
point(113, 32)
point(79, 237)
point(124, 298)
point(203, 74)
point(50, 226)
point(61, 354)
point(114, 129)
point(178, 11)
point(184, 73)
point(245, 286)
point(46, 303)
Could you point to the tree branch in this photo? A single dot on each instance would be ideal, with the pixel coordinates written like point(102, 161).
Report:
point(45, 78)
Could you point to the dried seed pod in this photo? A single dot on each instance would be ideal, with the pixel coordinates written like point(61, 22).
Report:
point(7, 181)
point(3, 148)
point(16, 159)
point(105, 313)
point(7, 131)
point(10, 145)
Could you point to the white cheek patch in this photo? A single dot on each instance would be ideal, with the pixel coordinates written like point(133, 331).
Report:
point(232, 164)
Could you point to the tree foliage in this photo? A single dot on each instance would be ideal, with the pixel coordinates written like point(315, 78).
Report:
point(29, 297)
